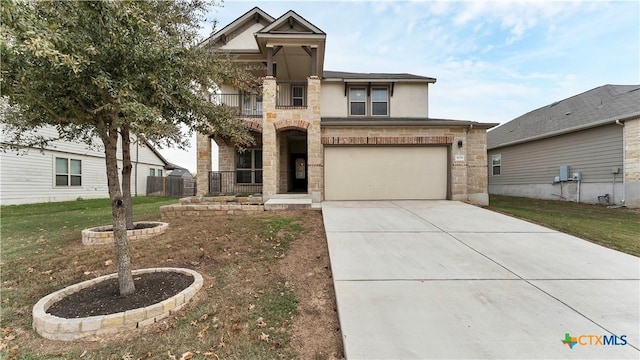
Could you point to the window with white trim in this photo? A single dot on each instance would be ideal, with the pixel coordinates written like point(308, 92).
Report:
point(357, 101)
point(249, 167)
point(68, 172)
point(152, 172)
point(496, 164)
point(379, 101)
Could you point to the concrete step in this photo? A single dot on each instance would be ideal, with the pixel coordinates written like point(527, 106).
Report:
point(288, 203)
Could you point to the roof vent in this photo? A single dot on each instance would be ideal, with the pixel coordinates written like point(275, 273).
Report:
point(568, 113)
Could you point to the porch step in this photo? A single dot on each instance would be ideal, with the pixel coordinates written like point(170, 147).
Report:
point(288, 203)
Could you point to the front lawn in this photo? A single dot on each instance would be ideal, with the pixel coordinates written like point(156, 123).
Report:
point(615, 228)
point(267, 288)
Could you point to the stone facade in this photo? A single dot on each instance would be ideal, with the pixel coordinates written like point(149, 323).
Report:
point(632, 162)
point(468, 163)
point(468, 174)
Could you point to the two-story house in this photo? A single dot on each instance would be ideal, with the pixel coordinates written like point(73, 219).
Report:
point(335, 135)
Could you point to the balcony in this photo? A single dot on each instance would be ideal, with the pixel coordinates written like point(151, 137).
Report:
point(291, 95)
point(246, 105)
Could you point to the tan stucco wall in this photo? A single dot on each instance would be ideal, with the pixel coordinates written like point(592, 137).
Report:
point(333, 103)
point(409, 100)
point(243, 38)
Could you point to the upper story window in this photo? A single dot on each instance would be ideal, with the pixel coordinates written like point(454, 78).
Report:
point(496, 164)
point(379, 101)
point(68, 172)
point(297, 95)
point(372, 101)
point(357, 101)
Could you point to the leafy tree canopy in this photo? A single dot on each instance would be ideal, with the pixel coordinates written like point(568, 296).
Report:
point(82, 65)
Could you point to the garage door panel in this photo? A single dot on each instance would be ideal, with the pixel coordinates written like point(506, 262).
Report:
point(384, 173)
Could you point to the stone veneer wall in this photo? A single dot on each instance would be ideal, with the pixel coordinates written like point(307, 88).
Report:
point(468, 176)
point(276, 120)
point(632, 163)
point(203, 162)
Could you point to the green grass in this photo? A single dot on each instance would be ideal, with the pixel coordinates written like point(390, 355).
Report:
point(239, 256)
point(615, 228)
point(45, 226)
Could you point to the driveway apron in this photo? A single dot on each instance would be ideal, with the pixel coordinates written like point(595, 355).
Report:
point(448, 280)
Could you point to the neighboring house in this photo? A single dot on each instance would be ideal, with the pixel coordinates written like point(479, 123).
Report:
point(585, 148)
point(335, 135)
point(69, 170)
point(188, 182)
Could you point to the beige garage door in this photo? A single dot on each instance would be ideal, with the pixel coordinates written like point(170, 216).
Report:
point(385, 172)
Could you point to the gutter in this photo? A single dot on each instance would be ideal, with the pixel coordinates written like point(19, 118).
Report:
point(394, 123)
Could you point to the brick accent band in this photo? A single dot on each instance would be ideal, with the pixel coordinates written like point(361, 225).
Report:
point(289, 124)
point(393, 140)
point(254, 125)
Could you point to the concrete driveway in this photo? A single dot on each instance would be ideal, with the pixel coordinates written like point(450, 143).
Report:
point(444, 280)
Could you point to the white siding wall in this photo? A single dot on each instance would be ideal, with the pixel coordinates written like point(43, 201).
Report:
point(30, 178)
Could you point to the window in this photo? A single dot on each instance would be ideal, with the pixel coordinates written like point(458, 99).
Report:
point(496, 163)
point(159, 172)
point(152, 172)
point(357, 101)
point(68, 172)
point(249, 167)
point(379, 102)
point(297, 95)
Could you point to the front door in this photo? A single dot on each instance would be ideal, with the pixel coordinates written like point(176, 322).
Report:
point(298, 165)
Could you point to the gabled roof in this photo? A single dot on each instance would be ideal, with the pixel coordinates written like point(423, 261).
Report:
point(290, 18)
point(596, 107)
point(235, 24)
point(341, 76)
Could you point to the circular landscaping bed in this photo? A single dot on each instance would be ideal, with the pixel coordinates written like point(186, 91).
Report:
point(94, 307)
point(101, 235)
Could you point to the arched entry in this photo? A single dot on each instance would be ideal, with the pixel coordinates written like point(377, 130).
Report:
point(294, 173)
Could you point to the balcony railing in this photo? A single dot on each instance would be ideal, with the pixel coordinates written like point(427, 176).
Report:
point(247, 105)
point(291, 95)
point(235, 182)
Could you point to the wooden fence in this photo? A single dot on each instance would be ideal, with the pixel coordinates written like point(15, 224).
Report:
point(170, 186)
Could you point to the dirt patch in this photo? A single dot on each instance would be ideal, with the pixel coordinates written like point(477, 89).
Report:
point(104, 297)
point(316, 330)
point(267, 294)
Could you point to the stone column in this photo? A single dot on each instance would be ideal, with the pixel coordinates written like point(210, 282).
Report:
point(631, 151)
point(203, 163)
point(315, 156)
point(270, 153)
point(477, 170)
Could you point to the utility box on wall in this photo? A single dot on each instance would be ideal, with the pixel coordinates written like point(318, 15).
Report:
point(564, 173)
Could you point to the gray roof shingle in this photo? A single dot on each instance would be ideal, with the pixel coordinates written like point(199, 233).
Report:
point(374, 76)
point(601, 105)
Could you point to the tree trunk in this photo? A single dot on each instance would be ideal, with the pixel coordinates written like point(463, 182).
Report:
point(118, 211)
point(126, 175)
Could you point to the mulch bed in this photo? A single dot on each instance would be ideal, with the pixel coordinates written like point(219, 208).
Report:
point(104, 298)
point(138, 226)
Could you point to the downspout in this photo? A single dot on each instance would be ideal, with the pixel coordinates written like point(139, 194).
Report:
point(624, 160)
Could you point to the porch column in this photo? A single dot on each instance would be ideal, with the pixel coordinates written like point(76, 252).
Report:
point(203, 163)
point(270, 152)
point(269, 61)
point(314, 61)
point(315, 156)
point(631, 169)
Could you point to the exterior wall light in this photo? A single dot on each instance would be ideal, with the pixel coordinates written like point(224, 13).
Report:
point(459, 143)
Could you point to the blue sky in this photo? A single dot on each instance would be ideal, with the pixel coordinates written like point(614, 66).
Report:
point(493, 60)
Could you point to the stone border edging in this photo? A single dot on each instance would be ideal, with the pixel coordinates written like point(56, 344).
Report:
point(57, 328)
point(99, 236)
